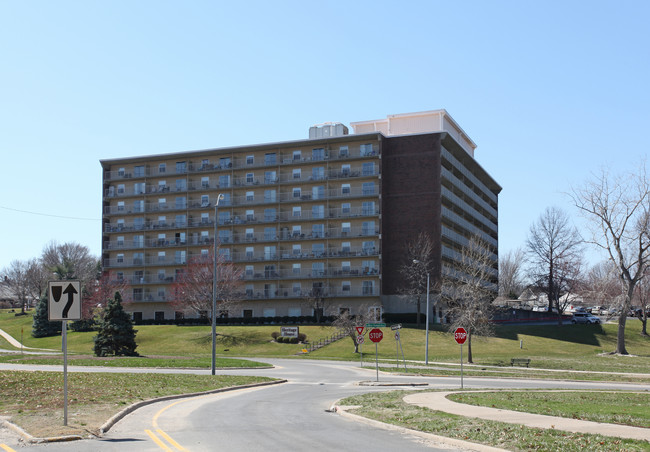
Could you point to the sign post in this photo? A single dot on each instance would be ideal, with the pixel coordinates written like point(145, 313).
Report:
point(64, 309)
point(376, 335)
point(360, 338)
point(398, 341)
point(460, 335)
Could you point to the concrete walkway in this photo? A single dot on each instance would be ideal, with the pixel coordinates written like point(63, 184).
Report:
point(14, 343)
point(438, 401)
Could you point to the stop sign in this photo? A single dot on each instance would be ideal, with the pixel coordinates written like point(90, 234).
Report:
point(376, 335)
point(460, 335)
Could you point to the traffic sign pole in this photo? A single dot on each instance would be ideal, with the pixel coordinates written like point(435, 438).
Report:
point(461, 366)
point(377, 359)
point(64, 344)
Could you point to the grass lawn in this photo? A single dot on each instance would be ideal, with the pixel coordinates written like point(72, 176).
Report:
point(390, 408)
point(34, 400)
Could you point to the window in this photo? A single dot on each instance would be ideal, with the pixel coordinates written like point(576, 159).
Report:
point(344, 151)
point(138, 171)
point(181, 221)
point(205, 218)
point(120, 258)
point(138, 294)
point(297, 250)
point(318, 173)
point(346, 228)
point(120, 189)
point(345, 208)
point(368, 287)
point(180, 238)
point(317, 269)
point(368, 208)
point(224, 162)
point(161, 256)
point(250, 159)
point(270, 215)
point(318, 192)
point(345, 266)
point(269, 252)
point(368, 228)
point(345, 286)
point(249, 252)
point(345, 189)
point(270, 234)
point(120, 172)
point(270, 177)
point(318, 230)
point(138, 258)
point(120, 241)
point(224, 252)
point(296, 155)
point(159, 315)
point(205, 163)
point(205, 237)
point(296, 212)
point(296, 192)
point(162, 185)
point(318, 211)
point(205, 182)
point(250, 215)
point(368, 247)
point(205, 200)
point(250, 178)
point(296, 269)
point(180, 202)
point(250, 196)
point(181, 167)
point(345, 247)
point(366, 150)
point(224, 217)
point(250, 270)
point(345, 170)
point(224, 235)
point(224, 181)
point(139, 188)
point(297, 290)
point(368, 169)
point(249, 234)
point(138, 241)
point(296, 173)
point(368, 188)
point(162, 203)
point(181, 185)
point(162, 220)
point(269, 196)
point(318, 154)
point(269, 271)
point(318, 249)
point(270, 158)
point(296, 231)
point(250, 289)
point(120, 206)
point(138, 223)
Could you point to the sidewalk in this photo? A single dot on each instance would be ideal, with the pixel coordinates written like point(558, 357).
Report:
point(14, 343)
point(438, 401)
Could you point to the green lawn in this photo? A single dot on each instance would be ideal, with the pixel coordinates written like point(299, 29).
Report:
point(389, 407)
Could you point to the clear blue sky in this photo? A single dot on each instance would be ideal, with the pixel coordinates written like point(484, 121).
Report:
point(550, 91)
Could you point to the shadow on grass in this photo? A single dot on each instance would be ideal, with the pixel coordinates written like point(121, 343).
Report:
point(229, 340)
point(578, 334)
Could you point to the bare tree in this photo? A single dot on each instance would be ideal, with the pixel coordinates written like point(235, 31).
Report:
point(618, 209)
point(469, 289)
point(70, 261)
point(419, 263)
point(318, 300)
point(555, 251)
point(15, 279)
point(37, 278)
point(643, 298)
point(511, 279)
point(601, 285)
point(347, 323)
point(193, 288)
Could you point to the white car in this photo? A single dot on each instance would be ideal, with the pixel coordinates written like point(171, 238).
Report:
point(584, 317)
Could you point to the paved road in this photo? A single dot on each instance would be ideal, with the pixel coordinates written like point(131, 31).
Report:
point(290, 416)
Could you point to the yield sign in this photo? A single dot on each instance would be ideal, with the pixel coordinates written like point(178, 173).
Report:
point(359, 330)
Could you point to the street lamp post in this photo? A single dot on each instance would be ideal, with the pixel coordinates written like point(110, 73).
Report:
point(426, 342)
point(220, 196)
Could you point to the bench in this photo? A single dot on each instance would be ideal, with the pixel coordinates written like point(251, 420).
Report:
point(520, 361)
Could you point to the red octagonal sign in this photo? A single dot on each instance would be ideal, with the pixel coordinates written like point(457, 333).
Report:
point(460, 335)
point(376, 335)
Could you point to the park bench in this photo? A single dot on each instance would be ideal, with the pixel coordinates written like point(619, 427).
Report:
point(520, 362)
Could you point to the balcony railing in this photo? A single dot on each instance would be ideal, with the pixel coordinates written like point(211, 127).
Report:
point(305, 273)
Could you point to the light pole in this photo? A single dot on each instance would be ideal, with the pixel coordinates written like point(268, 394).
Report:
point(426, 343)
point(220, 196)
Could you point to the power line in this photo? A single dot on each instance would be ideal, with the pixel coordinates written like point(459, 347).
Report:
point(49, 215)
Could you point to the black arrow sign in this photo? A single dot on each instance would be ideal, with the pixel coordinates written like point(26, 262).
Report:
point(70, 290)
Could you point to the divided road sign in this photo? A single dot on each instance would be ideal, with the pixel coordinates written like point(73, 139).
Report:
point(64, 300)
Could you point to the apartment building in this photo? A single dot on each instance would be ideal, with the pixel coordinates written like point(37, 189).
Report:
point(329, 215)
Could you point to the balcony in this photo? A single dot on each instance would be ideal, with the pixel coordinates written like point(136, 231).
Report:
point(305, 273)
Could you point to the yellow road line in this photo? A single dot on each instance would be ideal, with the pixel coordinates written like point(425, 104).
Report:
point(7, 448)
point(158, 441)
point(170, 440)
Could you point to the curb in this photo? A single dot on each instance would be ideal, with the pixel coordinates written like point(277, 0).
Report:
point(131, 408)
point(425, 436)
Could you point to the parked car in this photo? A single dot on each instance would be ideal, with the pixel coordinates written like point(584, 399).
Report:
point(584, 317)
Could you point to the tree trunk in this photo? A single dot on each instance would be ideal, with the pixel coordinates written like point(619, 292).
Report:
point(354, 340)
point(559, 315)
point(620, 337)
point(470, 360)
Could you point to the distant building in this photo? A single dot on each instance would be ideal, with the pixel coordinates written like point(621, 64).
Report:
point(331, 214)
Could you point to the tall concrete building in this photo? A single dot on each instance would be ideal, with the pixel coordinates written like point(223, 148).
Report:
point(330, 215)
